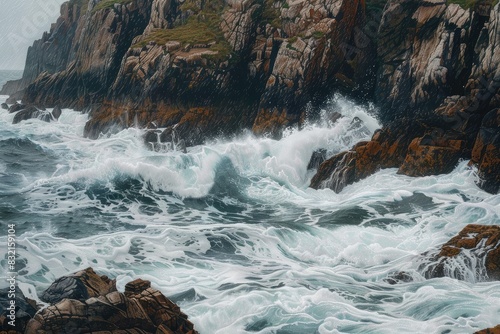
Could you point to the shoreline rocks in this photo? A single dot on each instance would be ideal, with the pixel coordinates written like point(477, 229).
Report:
point(85, 302)
point(477, 248)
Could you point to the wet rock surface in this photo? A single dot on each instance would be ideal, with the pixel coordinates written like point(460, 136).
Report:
point(486, 152)
point(477, 248)
point(29, 112)
point(85, 302)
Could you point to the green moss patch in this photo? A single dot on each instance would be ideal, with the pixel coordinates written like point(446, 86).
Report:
point(199, 29)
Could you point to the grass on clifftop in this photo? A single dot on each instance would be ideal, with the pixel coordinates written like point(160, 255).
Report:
point(193, 32)
point(108, 4)
point(201, 28)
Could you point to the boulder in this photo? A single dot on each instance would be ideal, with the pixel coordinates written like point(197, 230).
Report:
point(56, 112)
point(475, 244)
point(140, 309)
point(80, 286)
point(32, 112)
point(152, 136)
point(5, 106)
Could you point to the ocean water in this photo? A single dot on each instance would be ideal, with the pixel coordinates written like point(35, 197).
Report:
point(232, 233)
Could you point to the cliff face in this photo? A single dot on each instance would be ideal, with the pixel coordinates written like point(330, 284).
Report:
point(438, 86)
point(205, 69)
point(52, 52)
point(93, 54)
point(211, 66)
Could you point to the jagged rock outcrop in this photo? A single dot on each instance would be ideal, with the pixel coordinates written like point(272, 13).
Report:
point(29, 112)
point(85, 302)
point(213, 68)
point(475, 244)
point(438, 80)
point(101, 36)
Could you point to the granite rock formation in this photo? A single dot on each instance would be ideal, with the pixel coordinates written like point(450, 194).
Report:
point(85, 302)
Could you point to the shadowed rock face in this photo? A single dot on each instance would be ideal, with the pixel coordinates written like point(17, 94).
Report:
point(88, 303)
point(24, 311)
point(80, 286)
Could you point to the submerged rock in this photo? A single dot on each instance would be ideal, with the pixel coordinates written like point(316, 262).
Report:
point(88, 303)
point(479, 249)
point(397, 278)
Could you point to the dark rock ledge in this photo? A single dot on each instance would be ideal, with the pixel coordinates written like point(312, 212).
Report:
point(85, 302)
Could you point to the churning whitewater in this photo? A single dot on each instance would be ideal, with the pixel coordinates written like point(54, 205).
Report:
point(232, 233)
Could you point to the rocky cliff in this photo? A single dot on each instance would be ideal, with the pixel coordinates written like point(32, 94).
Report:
point(204, 69)
point(213, 67)
point(438, 87)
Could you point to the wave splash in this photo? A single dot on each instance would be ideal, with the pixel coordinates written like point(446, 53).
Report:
point(232, 232)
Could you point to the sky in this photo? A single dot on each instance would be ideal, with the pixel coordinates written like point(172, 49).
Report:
point(21, 23)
